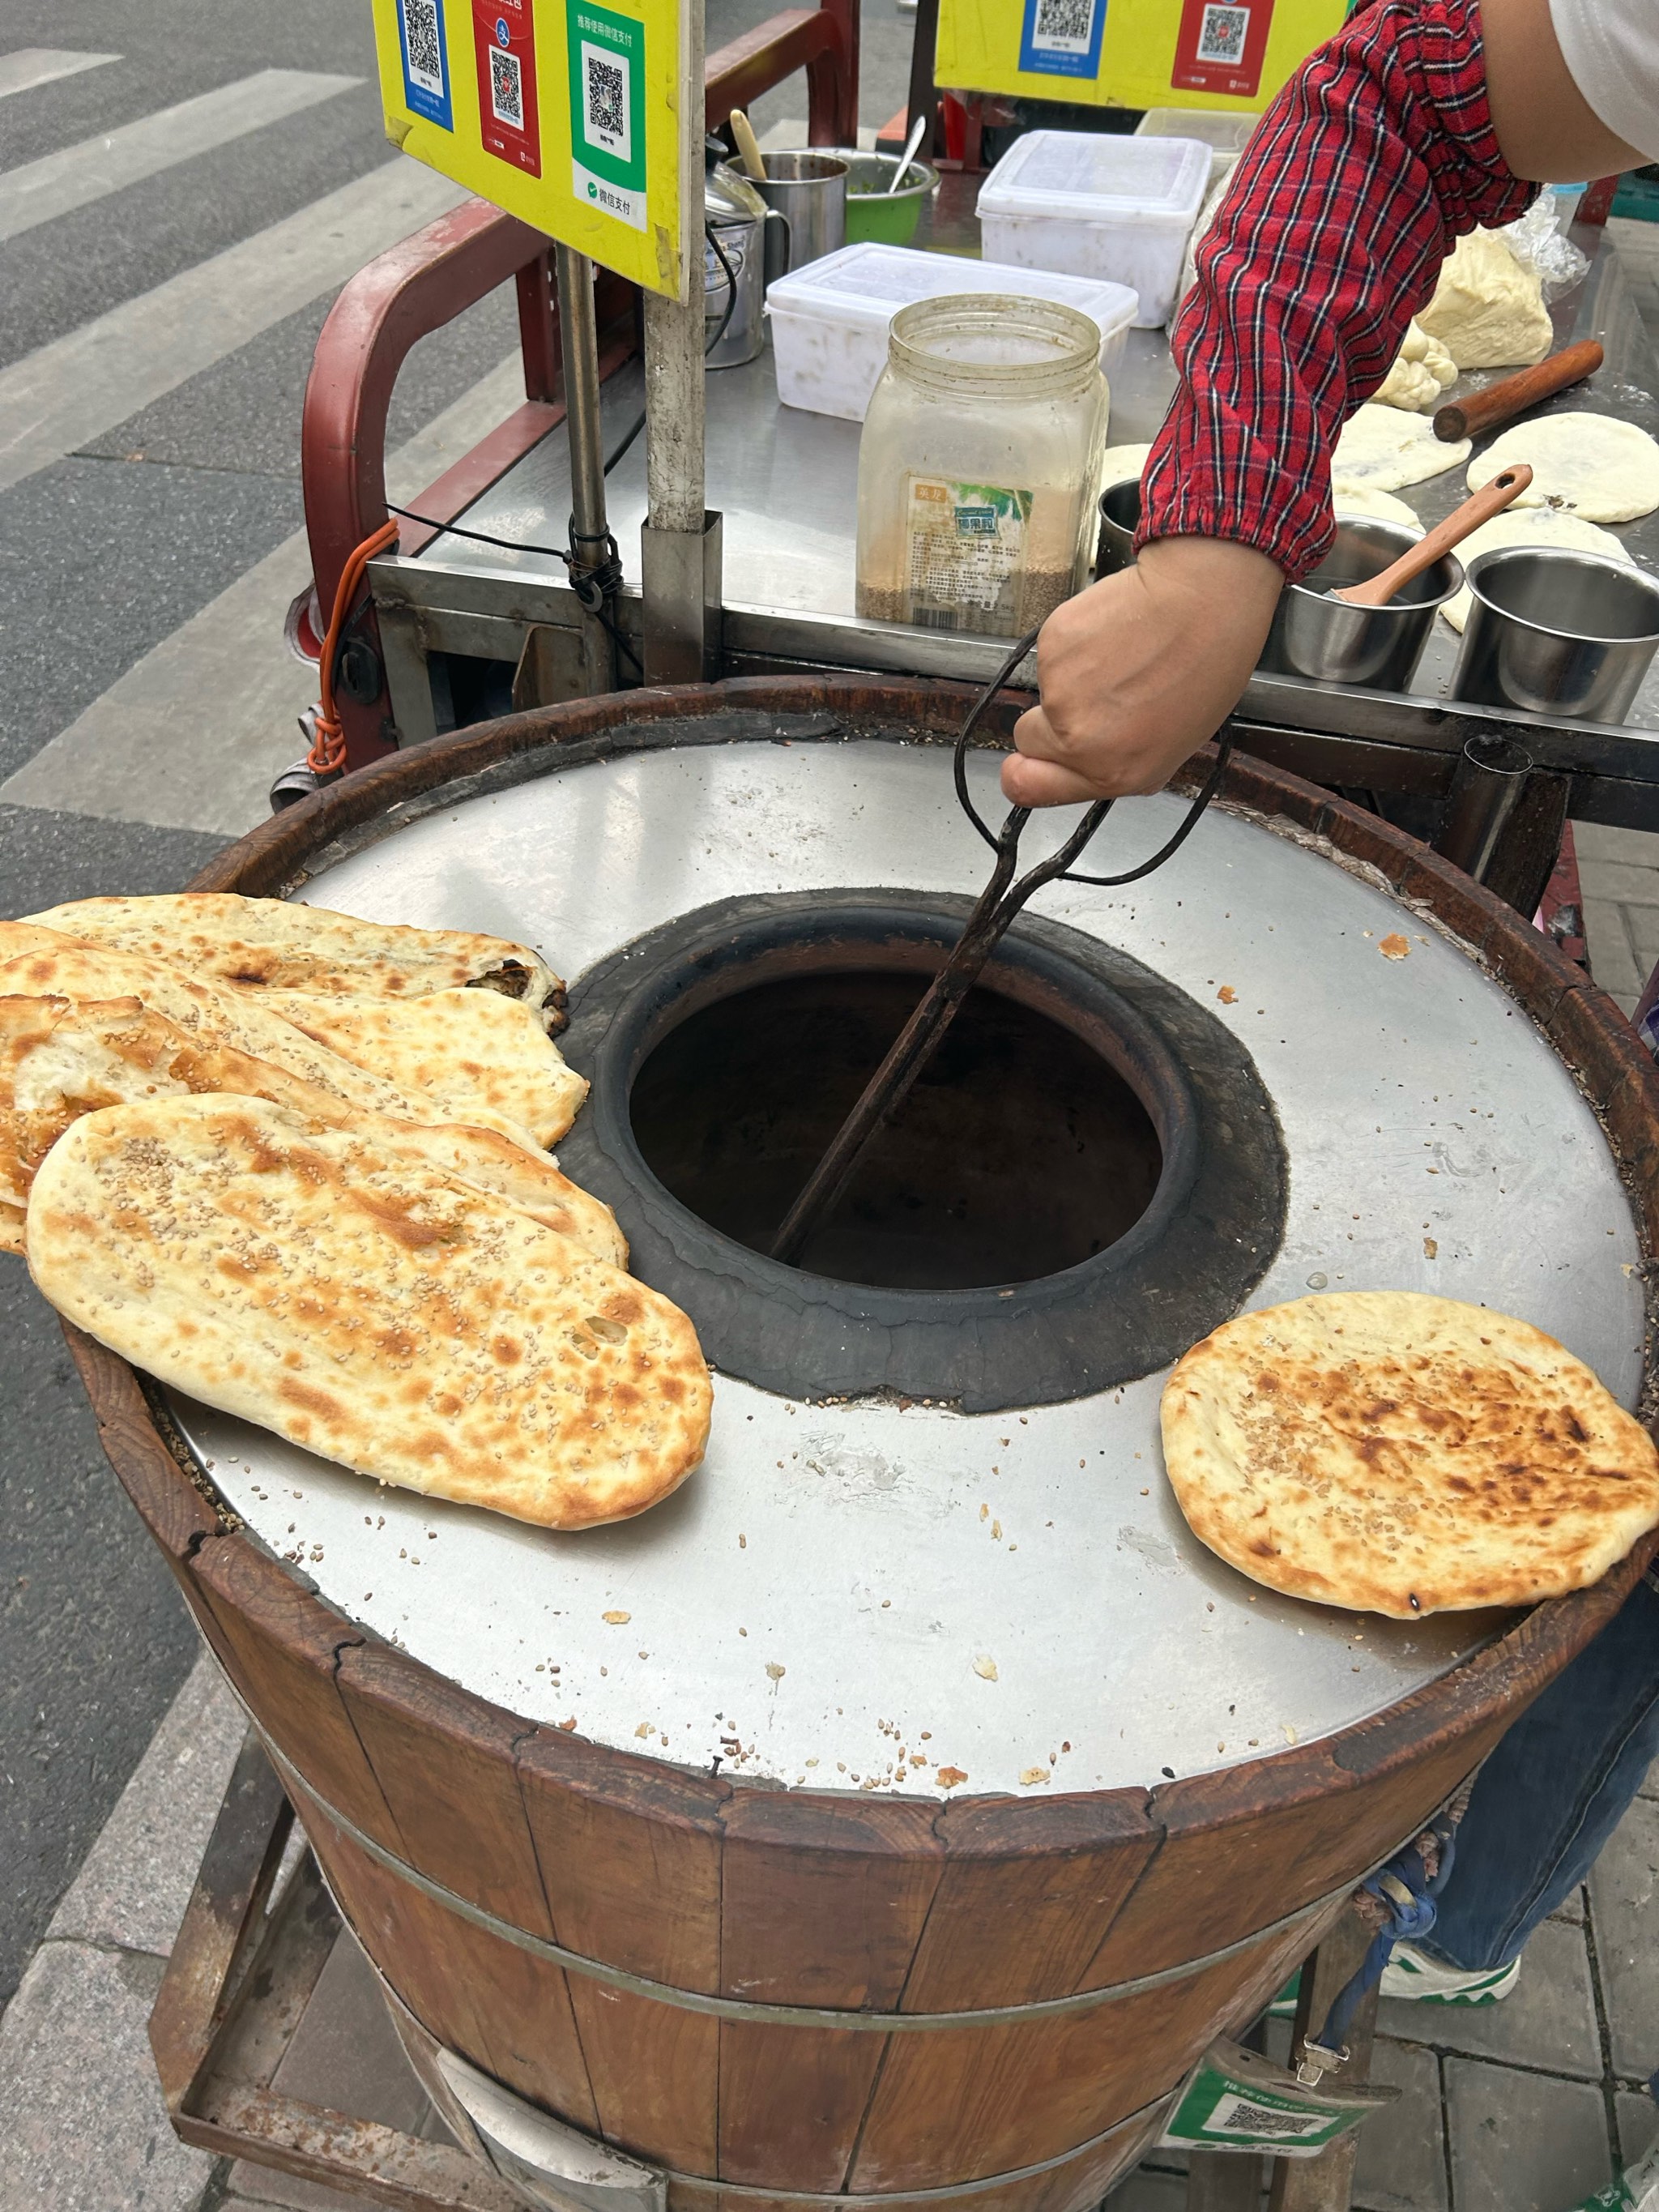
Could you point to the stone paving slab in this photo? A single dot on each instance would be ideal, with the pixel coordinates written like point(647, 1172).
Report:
point(1621, 1888)
point(1401, 2167)
point(1524, 2142)
point(1549, 2021)
point(1638, 2124)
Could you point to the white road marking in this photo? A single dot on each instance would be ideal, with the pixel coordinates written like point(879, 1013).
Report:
point(192, 734)
point(75, 176)
point(31, 65)
point(84, 383)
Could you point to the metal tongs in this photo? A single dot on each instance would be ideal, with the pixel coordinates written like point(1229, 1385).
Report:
point(984, 930)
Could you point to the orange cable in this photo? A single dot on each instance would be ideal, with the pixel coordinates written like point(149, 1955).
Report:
point(327, 753)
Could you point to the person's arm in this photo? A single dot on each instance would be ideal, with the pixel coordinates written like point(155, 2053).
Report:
point(1374, 158)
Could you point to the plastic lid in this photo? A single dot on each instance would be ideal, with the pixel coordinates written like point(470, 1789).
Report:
point(863, 284)
point(1080, 174)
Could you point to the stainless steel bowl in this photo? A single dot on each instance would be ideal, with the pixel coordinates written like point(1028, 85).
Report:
point(1316, 636)
point(1120, 517)
point(1557, 632)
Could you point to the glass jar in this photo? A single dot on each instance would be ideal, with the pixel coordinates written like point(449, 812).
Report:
point(979, 464)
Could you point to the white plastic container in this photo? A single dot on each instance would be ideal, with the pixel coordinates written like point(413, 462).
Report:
point(829, 320)
point(1120, 208)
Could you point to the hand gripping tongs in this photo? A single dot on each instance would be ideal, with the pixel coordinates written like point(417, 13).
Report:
point(997, 906)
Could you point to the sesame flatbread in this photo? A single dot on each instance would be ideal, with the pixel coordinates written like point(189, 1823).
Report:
point(279, 944)
point(60, 1060)
point(464, 1052)
point(369, 1311)
point(1404, 1455)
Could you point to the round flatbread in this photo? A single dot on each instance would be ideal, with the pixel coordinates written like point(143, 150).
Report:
point(1383, 447)
point(1404, 1455)
point(1119, 464)
point(1373, 506)
point(1603, 470)
point(1542, 525)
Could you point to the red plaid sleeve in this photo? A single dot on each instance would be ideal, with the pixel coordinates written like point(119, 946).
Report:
point(1373, 160)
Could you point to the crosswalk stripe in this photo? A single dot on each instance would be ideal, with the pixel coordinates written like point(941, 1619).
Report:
point(84, 383)
point(31, 65)
point(76, 175)
point(192, 734)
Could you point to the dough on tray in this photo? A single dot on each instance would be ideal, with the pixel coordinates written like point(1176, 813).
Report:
point(1383, 447)
point(1119, 463)
point(1374, 507)
point(1488, 308)
point(1603, 470)
point(1422, 371)
point(1546, 526)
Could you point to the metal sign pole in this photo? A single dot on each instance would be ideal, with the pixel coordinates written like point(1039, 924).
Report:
point(680, 542)
point(589, 537)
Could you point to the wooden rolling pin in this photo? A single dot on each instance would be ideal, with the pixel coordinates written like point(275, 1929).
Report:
point(1484, 410)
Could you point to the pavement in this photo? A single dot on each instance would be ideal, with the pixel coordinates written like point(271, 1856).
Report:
point(184, 191)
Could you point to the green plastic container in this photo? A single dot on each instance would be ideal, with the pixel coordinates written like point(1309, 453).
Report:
point(872, 212)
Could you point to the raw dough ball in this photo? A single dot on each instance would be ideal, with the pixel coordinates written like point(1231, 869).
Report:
point(1119, 463)
point(1488, 308)
point(1603, 470)
point(1383, 447)
point(1375, 506)
point(1549, 526)
point(1424, 370)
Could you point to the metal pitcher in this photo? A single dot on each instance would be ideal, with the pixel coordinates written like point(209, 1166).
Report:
point(743, 235)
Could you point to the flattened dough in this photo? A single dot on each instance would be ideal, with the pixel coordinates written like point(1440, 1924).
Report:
point(1548, 525)
point(1119, 463)
point(1377, 507)
point(1603, 470)
point(1383, 447)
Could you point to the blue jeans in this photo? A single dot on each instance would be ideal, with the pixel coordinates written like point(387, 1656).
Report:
point(1553, 1791)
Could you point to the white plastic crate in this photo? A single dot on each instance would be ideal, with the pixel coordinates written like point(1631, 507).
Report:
point(1091, 205)
point(829, 319)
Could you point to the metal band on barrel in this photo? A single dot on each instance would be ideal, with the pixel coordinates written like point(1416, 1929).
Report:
point(742, 2008)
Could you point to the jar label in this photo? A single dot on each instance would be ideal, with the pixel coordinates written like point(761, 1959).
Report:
point(966, 554)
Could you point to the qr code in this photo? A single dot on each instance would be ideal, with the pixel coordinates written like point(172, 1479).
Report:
point(1236, 2115)
point(1222, 39)
point(423, 39)
point(1065, 25)
point(607, 99)
point(507, 87)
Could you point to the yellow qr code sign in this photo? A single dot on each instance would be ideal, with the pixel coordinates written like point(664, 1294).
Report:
point(568, 113)
point(1132, 53)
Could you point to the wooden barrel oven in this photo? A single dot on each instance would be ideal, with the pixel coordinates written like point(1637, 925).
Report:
point(788, 1993)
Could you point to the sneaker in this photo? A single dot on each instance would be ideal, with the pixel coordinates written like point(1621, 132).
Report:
point(1412, 1973)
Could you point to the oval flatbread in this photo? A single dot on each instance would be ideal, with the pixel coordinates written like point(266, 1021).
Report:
point(368, 1309)
point(1383, 447)
point(1404, 1455)
point(1118, 463)
point(1370, 505)
point(1544, 526)
point(280, 945)
point(1605, 470)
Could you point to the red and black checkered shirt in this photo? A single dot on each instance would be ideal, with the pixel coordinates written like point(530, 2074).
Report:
point(1373, 160)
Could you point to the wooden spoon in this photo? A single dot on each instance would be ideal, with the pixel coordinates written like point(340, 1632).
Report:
point(749, 152)
point(1481, 507)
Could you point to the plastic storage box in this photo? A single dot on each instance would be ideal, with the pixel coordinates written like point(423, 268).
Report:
point(829, 320)
point(1120, 208)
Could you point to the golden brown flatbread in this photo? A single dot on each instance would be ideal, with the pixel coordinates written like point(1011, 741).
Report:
point(464, 1052)
point(373, 1312)
point(1404, 1455)
point(60, 1061)
point(280, 945)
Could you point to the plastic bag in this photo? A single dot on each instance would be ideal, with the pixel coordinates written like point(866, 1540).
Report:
point(1536, 242)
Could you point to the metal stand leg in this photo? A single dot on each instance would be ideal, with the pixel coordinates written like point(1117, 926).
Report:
point(590, 540)
point(1503, 821)
point(1222, 2181)
point(1325, 2183)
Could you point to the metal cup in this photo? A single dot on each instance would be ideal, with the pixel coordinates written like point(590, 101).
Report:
point(1557, 632)
point(810, 191)
point(1317, 636)
point(1120, 519)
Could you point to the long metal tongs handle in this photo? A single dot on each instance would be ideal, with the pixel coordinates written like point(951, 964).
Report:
point(912, 1049)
